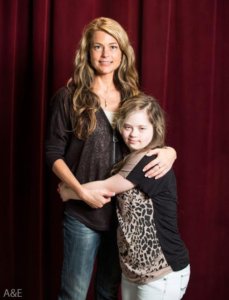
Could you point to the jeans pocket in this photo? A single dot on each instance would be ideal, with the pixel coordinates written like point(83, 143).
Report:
point(184, 283)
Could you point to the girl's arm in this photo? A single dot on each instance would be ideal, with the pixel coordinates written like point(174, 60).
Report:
point(117, 184)
point(95, 198)
point(159, 166)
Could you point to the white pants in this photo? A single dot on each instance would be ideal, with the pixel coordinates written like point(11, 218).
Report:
point(169, 287)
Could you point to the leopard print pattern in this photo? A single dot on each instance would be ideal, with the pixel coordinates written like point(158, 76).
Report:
point(141, 256)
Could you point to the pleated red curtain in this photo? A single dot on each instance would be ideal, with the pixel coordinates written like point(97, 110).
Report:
point(182, 57)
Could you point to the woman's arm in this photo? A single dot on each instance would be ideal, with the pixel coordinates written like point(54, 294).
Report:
point(95, 198)
point(159, 166)
point(117, 184)
point(57, 138)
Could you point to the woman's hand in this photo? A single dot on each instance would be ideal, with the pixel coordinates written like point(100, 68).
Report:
point(97, 198)
point(94, 198)
point(161, 164)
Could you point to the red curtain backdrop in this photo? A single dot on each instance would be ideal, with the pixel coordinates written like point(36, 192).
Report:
point(182, 50)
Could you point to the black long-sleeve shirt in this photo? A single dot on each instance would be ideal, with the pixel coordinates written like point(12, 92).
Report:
point(89, 160)
point(150, 245)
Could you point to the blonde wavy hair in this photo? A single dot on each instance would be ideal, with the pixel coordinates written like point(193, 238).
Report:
point(155, 115)
point(85, 102)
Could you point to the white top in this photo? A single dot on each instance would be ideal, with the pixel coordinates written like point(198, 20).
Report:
point(110, 115)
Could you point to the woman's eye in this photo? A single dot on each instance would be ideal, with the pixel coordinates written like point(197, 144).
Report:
point(97, 47)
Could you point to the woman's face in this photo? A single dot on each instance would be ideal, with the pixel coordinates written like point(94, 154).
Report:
point(105, 53)
point(137, 131)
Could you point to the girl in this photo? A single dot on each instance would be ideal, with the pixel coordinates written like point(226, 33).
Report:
point(154, 259)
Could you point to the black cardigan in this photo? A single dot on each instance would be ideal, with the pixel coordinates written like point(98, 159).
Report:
point(88, 160)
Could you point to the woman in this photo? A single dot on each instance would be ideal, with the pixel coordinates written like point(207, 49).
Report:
point(82, 146)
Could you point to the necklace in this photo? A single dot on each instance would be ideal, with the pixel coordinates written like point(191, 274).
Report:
point(105, 100)
point(109, 99)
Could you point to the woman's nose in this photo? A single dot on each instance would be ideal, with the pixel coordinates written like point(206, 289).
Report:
point(105, 51)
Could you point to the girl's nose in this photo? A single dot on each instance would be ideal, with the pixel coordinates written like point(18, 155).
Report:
point(133, 132)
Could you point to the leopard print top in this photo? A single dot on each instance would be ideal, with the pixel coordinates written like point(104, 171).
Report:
point(141, 256)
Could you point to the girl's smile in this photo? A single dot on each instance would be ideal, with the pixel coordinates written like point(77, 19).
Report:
point(137, 131)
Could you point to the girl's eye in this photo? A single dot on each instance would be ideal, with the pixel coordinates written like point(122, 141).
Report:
point(142, 128)
point(114, 47)
point(126, 127)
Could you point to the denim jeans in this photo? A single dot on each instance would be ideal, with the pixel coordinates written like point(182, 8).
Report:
point(170, 287)
point(81, 246)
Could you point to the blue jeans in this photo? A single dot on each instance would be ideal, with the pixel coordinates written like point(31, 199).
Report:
point(81, 246)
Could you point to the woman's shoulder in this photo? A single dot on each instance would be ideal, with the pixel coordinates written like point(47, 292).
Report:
point(62, 99)
point(62, 94)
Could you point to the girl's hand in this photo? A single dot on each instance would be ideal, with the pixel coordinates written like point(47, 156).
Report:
point(65, 192)
point(94, 198)
point(161, 164)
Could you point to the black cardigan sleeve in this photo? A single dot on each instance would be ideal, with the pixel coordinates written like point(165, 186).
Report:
point(59, 129)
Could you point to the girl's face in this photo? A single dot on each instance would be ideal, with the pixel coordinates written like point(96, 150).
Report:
point(137, 131)
point(105, 53)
